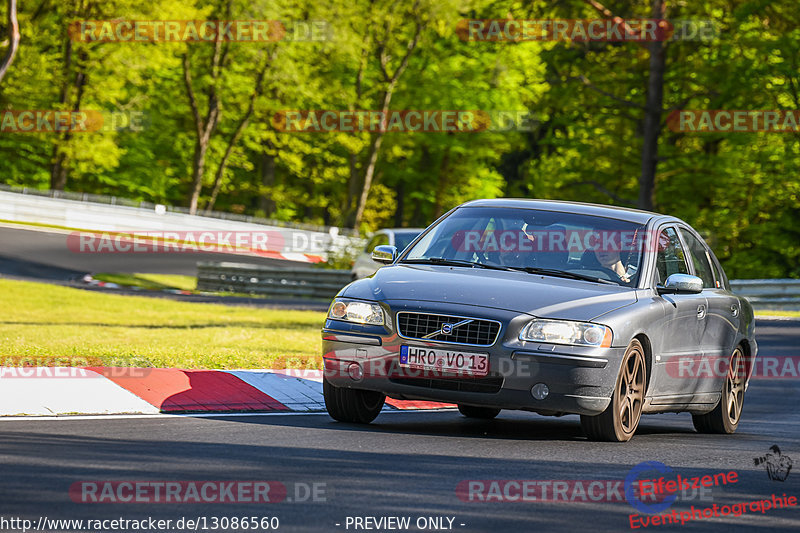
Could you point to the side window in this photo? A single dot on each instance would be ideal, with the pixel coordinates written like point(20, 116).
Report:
point(718, 272)
point(377, 240)
point(702, 267)
point(670, 258)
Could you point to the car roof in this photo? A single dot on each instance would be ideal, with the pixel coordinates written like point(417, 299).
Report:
point(608, 211)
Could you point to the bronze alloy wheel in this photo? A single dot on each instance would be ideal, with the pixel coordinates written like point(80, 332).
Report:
point(619, 421)
point(726, 415)
point(734, 386)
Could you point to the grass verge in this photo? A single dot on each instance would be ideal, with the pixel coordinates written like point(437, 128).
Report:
point(51, 325)
point(777, 313)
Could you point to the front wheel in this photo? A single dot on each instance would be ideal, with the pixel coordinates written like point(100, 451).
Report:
point(351, 405)
point(726, 415)
point(619, 421)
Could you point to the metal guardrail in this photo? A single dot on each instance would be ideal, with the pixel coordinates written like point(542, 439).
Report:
point(270, 281)
point(764, 294)
point(769, 294)
point(66, 211)
point(101, 199)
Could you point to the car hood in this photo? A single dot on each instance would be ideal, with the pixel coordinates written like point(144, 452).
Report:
point(538, 295)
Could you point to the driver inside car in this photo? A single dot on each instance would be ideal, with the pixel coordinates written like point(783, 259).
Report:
point(610, 259)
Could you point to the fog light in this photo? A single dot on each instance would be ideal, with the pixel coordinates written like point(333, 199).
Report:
point(540, 391)
point(355, 371)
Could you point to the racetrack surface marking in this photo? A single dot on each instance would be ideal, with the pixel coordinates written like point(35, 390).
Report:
point(103, 390)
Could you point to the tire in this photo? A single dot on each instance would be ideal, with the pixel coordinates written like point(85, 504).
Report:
point(619, 421)
point(486, 413)
point(726, 415)
point(351, 405)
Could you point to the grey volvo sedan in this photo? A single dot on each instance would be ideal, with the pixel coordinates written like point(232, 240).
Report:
point(544, 306)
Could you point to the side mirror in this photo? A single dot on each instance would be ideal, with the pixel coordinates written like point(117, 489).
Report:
point(681, 284)
point(384, 254)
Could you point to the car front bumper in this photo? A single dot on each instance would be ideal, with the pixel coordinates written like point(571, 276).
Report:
point(580, 380)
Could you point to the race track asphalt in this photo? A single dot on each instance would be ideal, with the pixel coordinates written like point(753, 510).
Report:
point(41, 254)
point(405, 464)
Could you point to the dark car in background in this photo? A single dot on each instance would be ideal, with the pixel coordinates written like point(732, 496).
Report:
point(551, 307)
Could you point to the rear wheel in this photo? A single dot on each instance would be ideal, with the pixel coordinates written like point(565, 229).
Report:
point(619, 421)
point(351, 405)
point(726, 415)
point(470, 411)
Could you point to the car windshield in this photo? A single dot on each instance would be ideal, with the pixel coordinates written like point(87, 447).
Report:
point(537, 241)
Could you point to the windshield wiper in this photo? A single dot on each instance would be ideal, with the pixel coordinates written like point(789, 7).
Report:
point(453, 262)
point(531, 270)
point(562, 274)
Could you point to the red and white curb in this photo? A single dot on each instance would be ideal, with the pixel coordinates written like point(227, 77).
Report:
point(104, 390)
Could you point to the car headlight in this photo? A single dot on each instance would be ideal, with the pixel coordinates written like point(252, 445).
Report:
point(360, 312)
point(566, 332)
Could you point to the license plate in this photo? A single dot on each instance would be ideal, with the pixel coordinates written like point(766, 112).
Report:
point(474, 364)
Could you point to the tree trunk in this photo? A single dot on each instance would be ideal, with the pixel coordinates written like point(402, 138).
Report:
point(652, 116)
point(354, 181)
point(418, 217)
point(441, 185)
point(13, 38)
point(265, 201)
point(204, 128)
point(391, 83)
point(59, 172)
point(400, 203)
point(353, 184)
point(237, 134)
point(198, 169)
point(374, 148)
point(224, 163)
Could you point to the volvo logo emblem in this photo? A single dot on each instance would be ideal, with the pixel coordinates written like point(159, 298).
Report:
point(447, 328)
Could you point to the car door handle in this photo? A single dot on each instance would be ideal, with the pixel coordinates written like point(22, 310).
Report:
point(701, 312)
point(735, 310)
